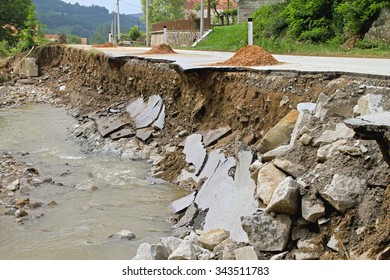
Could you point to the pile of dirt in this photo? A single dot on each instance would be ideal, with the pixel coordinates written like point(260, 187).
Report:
point(250, 56)
point(105, 45)
point(161, 49)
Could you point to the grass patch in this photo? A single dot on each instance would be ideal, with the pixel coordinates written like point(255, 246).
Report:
point(234, 37)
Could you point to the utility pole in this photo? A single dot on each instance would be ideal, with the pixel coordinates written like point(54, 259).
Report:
point(119, 24)
point(201, 18)
point(147, 22)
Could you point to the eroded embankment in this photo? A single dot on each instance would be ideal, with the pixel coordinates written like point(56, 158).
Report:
point(314, 218)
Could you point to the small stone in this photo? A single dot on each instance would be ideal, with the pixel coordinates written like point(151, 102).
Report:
point(185, 251)
point(14, 185)
point(280, 256)
point(22, 202)
point(312, 209)
point(21, 213)
point(10, 211)
point(333, 244)
point(212, 238)
point(25, 190)
point(183, 133)
point(52, 203)
point(150, 252)
point(305, 139)
point(285, 198)
point(352, 151)
point(123, 235)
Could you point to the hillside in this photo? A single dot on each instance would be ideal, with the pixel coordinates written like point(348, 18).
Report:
point(73, 19)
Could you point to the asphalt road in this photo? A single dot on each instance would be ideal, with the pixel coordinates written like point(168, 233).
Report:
point(189, 59)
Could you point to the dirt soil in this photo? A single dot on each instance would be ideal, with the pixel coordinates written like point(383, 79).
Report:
point(161, 49)
point(106, 45)
point(250, 56)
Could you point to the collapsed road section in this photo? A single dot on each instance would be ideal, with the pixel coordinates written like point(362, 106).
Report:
point(272, 165)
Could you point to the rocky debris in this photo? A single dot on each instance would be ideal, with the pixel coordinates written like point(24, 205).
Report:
point(344, 192)
point(374, 127)
point(107, 126)
point(330, 136)
point(266, 232)
point(123, 235)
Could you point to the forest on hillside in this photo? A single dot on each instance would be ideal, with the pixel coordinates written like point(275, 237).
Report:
point(92, 22)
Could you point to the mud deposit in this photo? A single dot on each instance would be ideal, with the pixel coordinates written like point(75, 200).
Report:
point(245, 122)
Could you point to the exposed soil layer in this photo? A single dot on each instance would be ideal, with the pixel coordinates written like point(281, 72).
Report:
point(250, 102)
point(161, 49)
point(250, 56)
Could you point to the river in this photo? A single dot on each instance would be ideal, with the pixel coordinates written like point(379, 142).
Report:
point(79, 226)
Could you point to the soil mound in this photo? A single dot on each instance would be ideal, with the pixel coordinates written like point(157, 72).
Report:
point(106, 45)
point(250, 56)
point(160, 49)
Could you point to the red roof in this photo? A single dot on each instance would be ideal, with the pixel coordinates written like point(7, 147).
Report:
point(223, 4)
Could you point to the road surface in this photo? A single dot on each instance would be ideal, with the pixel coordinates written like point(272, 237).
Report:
point(190, 59)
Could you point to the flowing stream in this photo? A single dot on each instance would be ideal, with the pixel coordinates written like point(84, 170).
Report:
point(79, 226)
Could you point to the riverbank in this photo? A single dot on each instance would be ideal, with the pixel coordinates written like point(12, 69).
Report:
point(234, 139)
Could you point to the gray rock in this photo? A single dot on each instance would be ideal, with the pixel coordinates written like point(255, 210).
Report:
point(370, 104)
point(350, 150)
point(123, 235)
point(344, 192)
point(268, 179)
point(340, 104)
point(29, 67)
point(181, 203)
point(181, 232)
point(333, 243)
point(374, 127)
point(13, 185)
point(245, 253)
point(212, 136)
point(203, 254)
point(270, 155)
point(189, 216)
point(195, 152)
point(267, 233)
point(327, 151)
point(280, 256)
point(312, 209)
point(330, 136)
point(285, 198)
point(185, 251)
point(212, 238)
point(306, 107)
point(308, 249)
point(305, 139)
point(144, 134)
point(150, 252)
point(170, 244)
point(380, 29)
point(291, 168)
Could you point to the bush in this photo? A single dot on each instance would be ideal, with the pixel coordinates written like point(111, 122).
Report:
point(268, 21)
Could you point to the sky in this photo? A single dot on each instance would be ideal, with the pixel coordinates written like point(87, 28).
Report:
point(125, 6)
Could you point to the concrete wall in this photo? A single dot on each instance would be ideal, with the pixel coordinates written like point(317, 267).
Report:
point(247, 7)
point(175, 38)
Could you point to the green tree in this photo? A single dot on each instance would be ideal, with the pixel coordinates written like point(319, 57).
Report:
point(30, 32)
point(357, 15)
point(164, 10)
point(134, 33)
point(13, 19)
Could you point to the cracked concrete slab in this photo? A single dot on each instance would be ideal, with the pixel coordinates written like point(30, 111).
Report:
point(150, 113)
point(144, 133)
point(195, 152)
point(212, 136)
point(106, 126)
point(160, 122)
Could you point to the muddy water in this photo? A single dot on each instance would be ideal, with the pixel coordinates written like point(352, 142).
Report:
point(78, 228)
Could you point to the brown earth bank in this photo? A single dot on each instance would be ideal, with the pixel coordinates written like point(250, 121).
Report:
point(252, 108)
